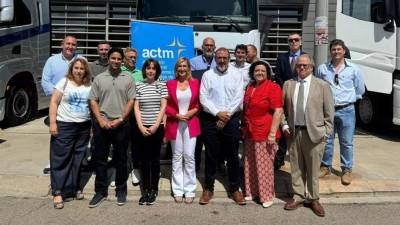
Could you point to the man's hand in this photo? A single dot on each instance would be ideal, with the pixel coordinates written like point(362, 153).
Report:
point(115, 123)
point(224, 116)
point(286, 133)
point(220, 125)
point(104, 124)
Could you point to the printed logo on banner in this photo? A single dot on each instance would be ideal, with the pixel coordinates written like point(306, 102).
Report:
point(163, 42)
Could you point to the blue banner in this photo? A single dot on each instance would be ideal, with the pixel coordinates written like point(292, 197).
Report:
point(163, 42)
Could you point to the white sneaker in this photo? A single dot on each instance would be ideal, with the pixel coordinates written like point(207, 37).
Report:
point(248, 198)
point(135, 177)
point(267, 204)
point(112, 184)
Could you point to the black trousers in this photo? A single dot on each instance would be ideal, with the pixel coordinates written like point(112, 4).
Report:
point(214, 139)
point(103, 138)
point(149, 158)
point(66, 153)
point(134, 133)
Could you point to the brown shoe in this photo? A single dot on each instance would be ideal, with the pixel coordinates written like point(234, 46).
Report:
point(317, 208)
point(238, 198)
point(347, 177)
point(206, 197)
point(292, 204)
point(324, 171)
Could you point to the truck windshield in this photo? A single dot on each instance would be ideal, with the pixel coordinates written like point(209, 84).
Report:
point(203, 11)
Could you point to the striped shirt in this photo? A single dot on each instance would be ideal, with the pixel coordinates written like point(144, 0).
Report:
point(149, 97)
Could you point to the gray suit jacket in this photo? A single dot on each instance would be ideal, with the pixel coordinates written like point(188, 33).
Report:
point(319, 108)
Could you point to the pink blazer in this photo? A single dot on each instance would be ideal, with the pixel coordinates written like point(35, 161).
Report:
point(171, 127)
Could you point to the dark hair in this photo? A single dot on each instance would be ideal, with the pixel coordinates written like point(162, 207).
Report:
point(147, 63)
point(241, 47)
point(103, 43)
point(337, 42)
point(251, 46)
point(115, 50)
point(253, 67)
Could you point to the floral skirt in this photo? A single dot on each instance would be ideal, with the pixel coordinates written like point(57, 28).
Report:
point(259, 170)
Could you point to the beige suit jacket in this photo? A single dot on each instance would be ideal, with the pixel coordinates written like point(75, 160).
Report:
point(319, 111)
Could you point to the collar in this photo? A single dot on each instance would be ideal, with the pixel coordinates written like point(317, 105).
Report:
point(346, 64)
point(297, 54)
point(99, 62)
point(63, 57)
point(307, 79)
point(205, 60)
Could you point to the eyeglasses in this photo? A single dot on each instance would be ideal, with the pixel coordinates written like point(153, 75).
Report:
point(302, 65)
point(293, 40)
point(337, 79)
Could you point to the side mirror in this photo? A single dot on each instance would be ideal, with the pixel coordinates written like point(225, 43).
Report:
point(6, 10)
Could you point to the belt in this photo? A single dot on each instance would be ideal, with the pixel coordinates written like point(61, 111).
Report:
point(300, 127)
point(337, 107)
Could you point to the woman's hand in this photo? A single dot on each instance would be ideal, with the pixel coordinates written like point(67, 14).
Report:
point(53, 129)
point(271, 140)
point(152, 129)
point(144, 131)
point(181, 117)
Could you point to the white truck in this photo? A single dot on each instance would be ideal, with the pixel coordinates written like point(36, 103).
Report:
point(370, 29)
point(229, 22)
point(24, 48)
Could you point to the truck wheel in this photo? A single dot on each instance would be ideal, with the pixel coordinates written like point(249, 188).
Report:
point(19, 105)
point(372, 111)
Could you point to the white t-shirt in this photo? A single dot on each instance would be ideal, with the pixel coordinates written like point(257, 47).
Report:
point(183, 100)
point(74, 106)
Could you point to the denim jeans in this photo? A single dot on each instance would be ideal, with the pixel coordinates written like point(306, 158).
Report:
point(344, 125)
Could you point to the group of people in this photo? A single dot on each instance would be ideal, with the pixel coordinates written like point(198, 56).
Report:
point(211, 101)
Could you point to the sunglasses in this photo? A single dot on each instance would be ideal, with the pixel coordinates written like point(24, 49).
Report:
point(337, 79)
point(302, 65)
point(293, 40)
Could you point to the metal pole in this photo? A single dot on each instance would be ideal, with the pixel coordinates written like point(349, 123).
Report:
point(321, 32)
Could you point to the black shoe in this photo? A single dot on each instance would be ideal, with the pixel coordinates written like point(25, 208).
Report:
point(46, 170)
point(143, 200)
point(121, 198)
point(151, 199)
point(97, 200)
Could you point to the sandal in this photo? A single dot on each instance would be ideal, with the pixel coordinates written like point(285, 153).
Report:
point(58, 204)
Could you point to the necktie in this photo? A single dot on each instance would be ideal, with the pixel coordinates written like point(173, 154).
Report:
point(300, 116)
point(293, 62)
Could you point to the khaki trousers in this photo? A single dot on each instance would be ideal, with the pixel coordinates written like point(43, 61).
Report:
point(305, 161)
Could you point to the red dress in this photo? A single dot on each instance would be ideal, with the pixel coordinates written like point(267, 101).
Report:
point(259, 104)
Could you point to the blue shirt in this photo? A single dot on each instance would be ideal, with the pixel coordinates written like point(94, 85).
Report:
point(200, 63)
point(351, 82)
point(54, 70)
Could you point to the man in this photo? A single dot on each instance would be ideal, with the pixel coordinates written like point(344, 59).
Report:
point(285, 70)
point(309, 111)
point(251, 54)
point(206, 60)
point(130, 64)
point(56, 68)
point(101, 64)
point(200, 64)
point(130, 67)
point(241, 64)
point(111, 100)
point(348, 86)
point(221, 93)
point(285, 63)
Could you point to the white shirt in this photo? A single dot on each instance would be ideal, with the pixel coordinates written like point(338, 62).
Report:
point(306, 84)
point(74, 105)
point(244, 70)
point(183, 100)
point(221, 92)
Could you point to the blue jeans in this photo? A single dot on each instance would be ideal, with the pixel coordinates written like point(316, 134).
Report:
point(344, 125)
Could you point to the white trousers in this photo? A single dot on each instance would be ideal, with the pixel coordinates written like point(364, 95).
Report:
point(183, 163)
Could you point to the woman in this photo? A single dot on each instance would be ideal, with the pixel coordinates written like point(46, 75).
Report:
point(182, 128)
point(262, 111)
point(70, 130)
point(151, 100)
